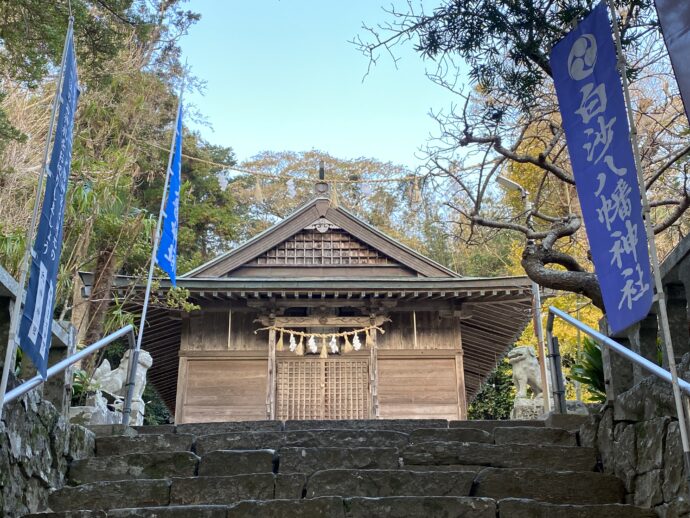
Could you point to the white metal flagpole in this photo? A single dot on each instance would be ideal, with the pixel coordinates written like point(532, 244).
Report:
point(659, 288)
point(134, 355)
point(10, 353)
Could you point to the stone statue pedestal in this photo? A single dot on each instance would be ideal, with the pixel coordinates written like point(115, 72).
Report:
point(525, 408)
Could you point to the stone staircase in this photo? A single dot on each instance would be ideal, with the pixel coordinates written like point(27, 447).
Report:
point(341, 469)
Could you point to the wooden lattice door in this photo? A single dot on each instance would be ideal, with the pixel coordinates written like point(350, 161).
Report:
point(316, 388)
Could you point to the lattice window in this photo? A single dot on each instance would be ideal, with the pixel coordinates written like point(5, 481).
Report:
point(335, 247)
point(316, 388)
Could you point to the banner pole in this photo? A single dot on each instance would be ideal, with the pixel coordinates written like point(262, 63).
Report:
point(658, 284)
point(134, 354)
point(10, 353)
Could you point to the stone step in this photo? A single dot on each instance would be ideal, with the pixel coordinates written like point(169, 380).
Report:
point(309, 460)
point(107, 495)
point(491, 425)
point(450, 435)
point(398, 425)
point(521, 508)
point(362, 507)
point(380, 483)
point(501, 455)
point(146, 443)
point(558, 487)
point(534, 435)
point(301, 438)
point(228, 427)
point(237, 462)
point(156, 465)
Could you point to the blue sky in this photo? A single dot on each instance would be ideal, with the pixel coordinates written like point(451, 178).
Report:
point(281, 75)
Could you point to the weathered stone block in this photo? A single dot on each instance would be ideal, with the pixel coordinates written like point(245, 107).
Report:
point(236, 462)
point(405, 506)
point(82, 443)
point(108, 495)
point(325, 507)
point(307, 439)
point(184, 511)
point(605, 440)
point(588, 431)
point(290, 485)
point(560, 487)
point(625, 454)
point(451, 435)
point(379, 483)
point(490, 425)
point(146, 443)
point(400, 425)
point(309, 460)
point(502, 456)
point(648, 492)
point(674, 484)
point(229, 427)
point(533, 435)
point(221, 490)
point(650, 443)
point(519, 508)
point(157, 465)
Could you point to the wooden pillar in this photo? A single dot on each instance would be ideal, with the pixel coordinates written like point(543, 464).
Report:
point(374, 372)
point(271, 381)
point(460, 376)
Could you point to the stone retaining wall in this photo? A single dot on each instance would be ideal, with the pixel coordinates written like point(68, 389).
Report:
point(638, 440)
point(36, 445)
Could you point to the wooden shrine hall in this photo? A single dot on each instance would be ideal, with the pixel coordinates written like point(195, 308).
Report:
point(324, 317)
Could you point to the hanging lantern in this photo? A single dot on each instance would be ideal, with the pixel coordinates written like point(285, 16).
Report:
point(311, 345)
point(324, 349)
point(293, 343)
point(356, 344)
point(300, 347)
point(279, 345)
point(347, 348)
point(258, 192)
point(333, 345)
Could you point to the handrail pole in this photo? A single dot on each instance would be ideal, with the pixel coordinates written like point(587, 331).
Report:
point(63, 364)
point(558, 387)
point(131, 372)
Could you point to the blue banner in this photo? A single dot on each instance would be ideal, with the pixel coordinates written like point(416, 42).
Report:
point(34, 335)
point(592, 107)
point(166, 256)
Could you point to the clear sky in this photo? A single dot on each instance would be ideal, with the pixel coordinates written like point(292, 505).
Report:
point(281, 75)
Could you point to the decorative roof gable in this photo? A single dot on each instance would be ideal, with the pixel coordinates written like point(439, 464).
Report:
point(320, 236)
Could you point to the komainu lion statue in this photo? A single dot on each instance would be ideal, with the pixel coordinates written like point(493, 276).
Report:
point(525, 371)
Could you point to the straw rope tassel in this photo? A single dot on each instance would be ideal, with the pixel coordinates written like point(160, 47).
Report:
point(367, 339)
point(347, 348)
point(324, 348)
point(299, 351)
point(280, 346)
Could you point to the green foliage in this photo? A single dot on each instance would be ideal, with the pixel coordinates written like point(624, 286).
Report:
point(155, 411)
point(495, 399)
point(82, 386)
point(590, 370)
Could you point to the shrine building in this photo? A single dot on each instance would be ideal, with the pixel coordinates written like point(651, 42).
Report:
point(323, 316)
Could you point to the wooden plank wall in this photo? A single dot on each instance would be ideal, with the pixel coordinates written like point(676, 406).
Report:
point(432, 332)
point(220, 389)
point(222, 331)
point(415, 387)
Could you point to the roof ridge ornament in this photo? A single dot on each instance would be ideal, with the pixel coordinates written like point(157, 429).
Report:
point(322, 225)
point(321, 188)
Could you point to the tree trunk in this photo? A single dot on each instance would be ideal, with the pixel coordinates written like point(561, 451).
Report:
point(99, 300)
